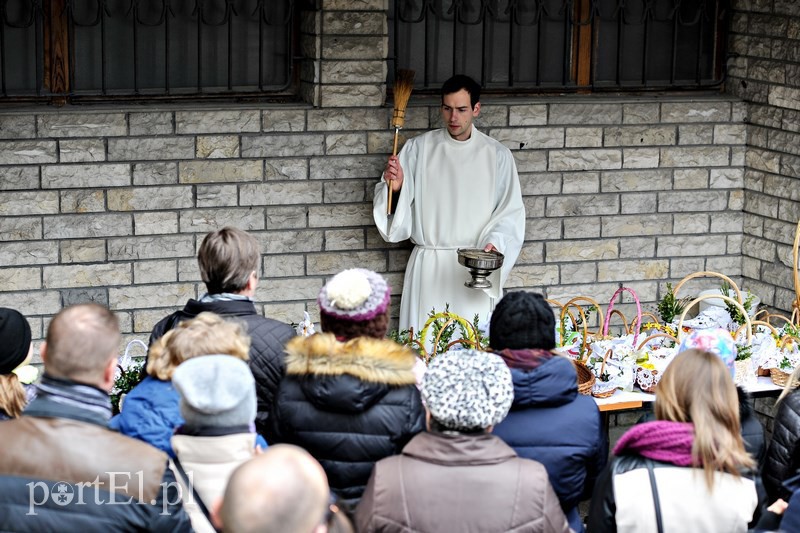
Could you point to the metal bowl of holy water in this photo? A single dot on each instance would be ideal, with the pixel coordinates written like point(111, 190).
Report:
point(480, 264)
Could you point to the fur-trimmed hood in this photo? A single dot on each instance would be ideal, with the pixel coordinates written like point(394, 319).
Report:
point(372, 360)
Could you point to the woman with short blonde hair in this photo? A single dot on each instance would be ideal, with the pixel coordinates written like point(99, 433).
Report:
point(687, 470)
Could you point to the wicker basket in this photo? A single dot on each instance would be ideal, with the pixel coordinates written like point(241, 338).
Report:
point(603, 389)
point(586, 378)
point(779, 377)
point(647, 379)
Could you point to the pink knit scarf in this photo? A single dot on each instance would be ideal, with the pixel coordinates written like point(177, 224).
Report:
point(668, 442)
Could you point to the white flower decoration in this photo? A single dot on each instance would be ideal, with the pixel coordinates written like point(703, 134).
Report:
point(348, 289)
point(27, 374)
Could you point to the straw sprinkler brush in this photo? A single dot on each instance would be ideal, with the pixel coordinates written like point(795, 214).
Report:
point(403, 84)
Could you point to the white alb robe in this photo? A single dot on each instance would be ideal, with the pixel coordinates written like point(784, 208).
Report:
point(456, 194)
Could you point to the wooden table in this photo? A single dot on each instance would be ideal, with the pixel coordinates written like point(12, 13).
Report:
point(624, 401)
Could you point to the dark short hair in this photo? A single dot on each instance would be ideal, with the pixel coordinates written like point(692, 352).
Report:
point(460, 81)
point(226, 259)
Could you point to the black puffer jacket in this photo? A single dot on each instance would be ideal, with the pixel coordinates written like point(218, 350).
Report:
point(349, 404)
point(783, 456)
point(267, 340)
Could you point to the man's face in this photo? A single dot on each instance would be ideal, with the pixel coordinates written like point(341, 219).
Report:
point(457, 112)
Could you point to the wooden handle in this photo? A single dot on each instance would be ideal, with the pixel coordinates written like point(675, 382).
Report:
point(394, 152)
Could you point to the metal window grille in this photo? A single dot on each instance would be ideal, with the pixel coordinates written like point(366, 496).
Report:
point(90, 49)
point(562, 45)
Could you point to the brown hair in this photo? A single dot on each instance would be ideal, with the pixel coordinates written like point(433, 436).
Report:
point(12, 395)
point(80, 341)
point(697, 388)
point(226, 259)
point(206, 334)
point(350, 329)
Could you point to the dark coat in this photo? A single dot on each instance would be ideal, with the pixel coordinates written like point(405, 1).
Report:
point(551, 423)
point(267, 339)
point(53, 447)
point(349, 404)
point(783, 456)
point(455, 483)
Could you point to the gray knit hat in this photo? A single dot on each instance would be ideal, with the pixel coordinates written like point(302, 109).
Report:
point(356, 294)
point(216, 391)
point(467, 390)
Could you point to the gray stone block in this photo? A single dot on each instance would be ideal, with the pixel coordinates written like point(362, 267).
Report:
point(632, 225)
point(82, 275)
point(648, 135)
point(345, 143)
point(217, 146)
point(581, 205)
point(570, 273)
point(690, 223)
point(354, 23)
point(82, 201)
point(590, 159)
point(531, 160)
point(27, 152)
point(233, 121)
point(695, 134)
point(154, 223)
point(17, 178)
point(777, 231)
point(217, 195)
point(155, 272)
point(17, 126)
point(288, 289)
point(28, 253)
point(765, 160)
point(82, 250)
point(81, 150)
point(280, 193)
point(727, 223)
point(696, 156)
point(630, 270)
point(20, 228)
point(581, 227)
point(695, 111)
point(730, 134)
point(690, 245)
point(635, 180)
point(283, 145)
point(527, 115)
point(275, 120)
point(83, 226)
point(346, 167)
point(581, 250)
point(680, 202)
point(636, 248)
point(540, 184)
point(150, 247)
point(302, 241)
point(540, 228)
point(81, 124)
point(227, 171)
point(359, 47)
point(155, 173)
point(286, 169)
point(333, 262)
point(583, 137)
point(151, 123)
point(85, 296)
point(640, 113)
point(531, 138)
point(583, 114)
point(682, 267)
point(353, 72)
point(287, 217)
point(150, 148)
point(581, 183)
point(634, 203)
point(84, 176)
point(758, 248)
point(28, 203)
point(284, 266)
point(206, 220)
point(370, 95)
point(331, 216)
point(168, 295)
point(532, 275)
point(344, 239)
point(727, 178)
point(691, 178)
point(150, 198)
point(641, 157)
point(760, 204)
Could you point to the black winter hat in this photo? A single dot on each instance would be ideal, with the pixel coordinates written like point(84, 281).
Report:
point(522, 320)
point(15, 339)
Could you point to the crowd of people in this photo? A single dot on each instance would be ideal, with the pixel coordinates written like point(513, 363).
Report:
point(351, 436)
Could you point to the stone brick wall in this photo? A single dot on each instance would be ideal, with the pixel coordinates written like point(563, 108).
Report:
point(111, 206)
point(765, 36)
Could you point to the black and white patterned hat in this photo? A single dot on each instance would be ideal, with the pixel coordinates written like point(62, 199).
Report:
point(467, 390)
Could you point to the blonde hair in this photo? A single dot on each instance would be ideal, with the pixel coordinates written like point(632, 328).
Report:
point(206, 334)
point(697, 388)
point(12, 395)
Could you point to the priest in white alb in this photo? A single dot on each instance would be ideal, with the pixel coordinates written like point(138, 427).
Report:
point(453, 187)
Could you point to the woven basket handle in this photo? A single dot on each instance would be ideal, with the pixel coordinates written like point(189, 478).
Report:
point(748, 325)
point(637, 322)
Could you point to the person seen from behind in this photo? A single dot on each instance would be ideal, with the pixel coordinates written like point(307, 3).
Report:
point(687, 470)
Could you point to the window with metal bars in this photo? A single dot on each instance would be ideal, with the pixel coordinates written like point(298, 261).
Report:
point(76, 50)
point(538, 46)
